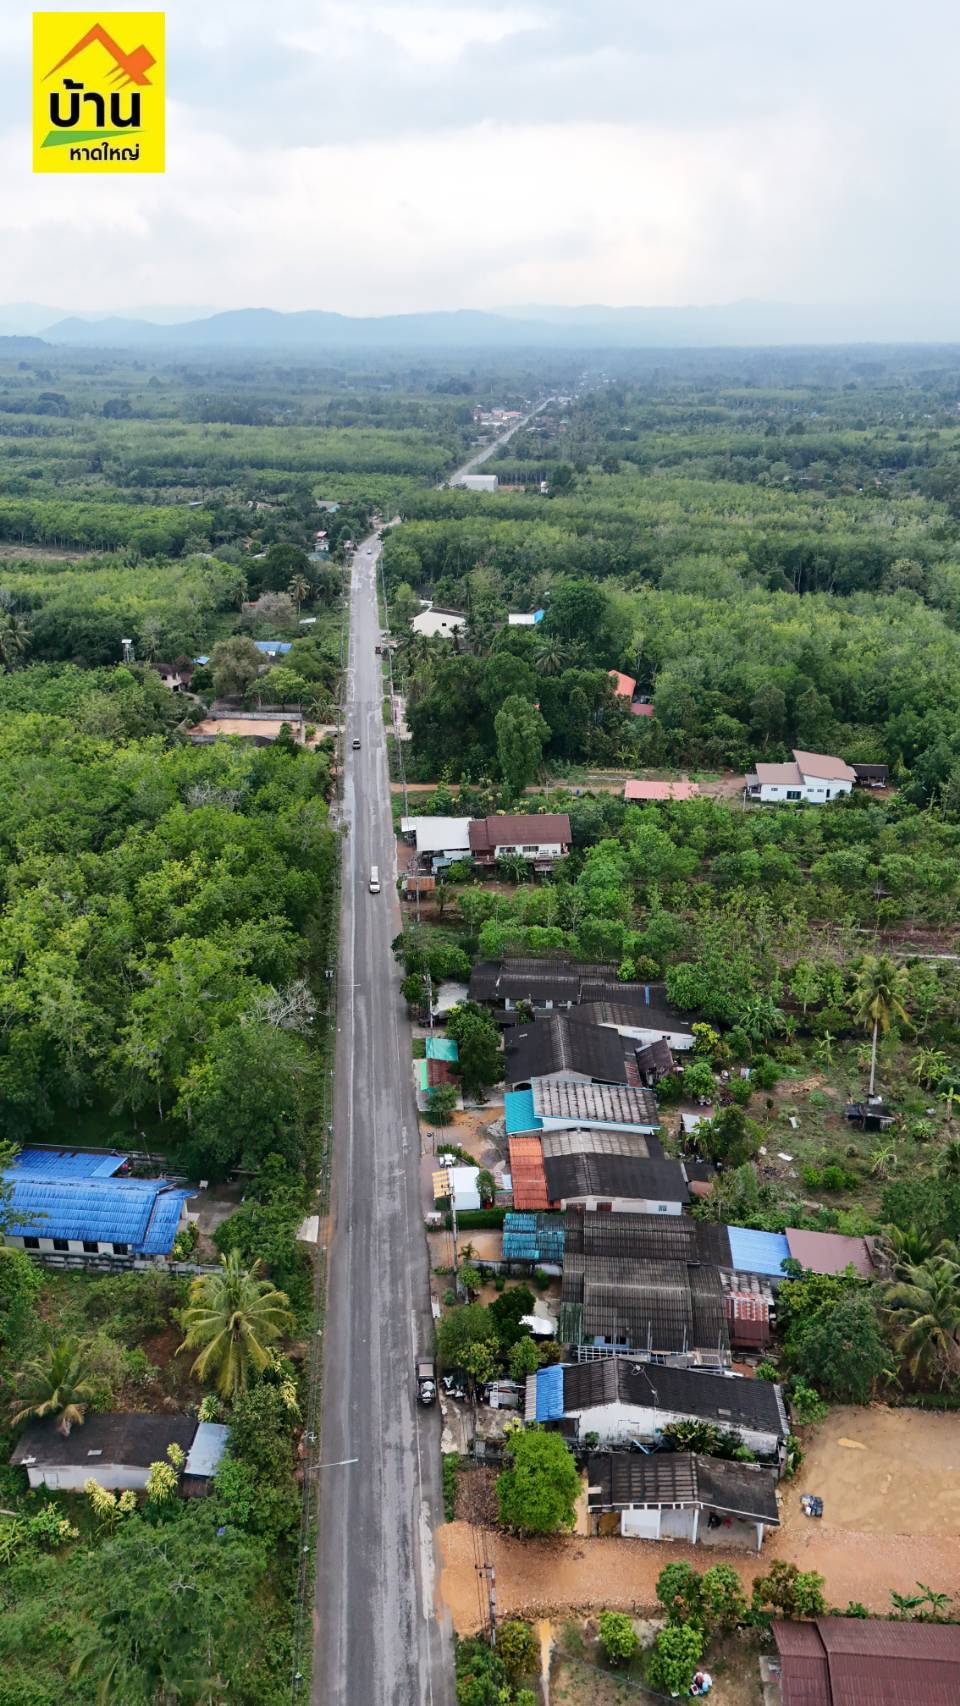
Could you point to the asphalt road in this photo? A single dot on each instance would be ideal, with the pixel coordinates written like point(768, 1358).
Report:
point(377, 1640)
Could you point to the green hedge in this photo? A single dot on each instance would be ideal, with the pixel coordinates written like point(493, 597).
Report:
point(477, 1218)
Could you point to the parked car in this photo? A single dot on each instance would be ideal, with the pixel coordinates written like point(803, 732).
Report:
point(426, 1380)
point(356, 743)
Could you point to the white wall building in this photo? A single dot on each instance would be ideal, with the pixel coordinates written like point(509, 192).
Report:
point(433, 622)
point(477, 482)
point(812, 777)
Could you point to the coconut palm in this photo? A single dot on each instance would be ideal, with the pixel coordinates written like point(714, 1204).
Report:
point(550, 657)
point(235, 1316)
point(905, 1247)
point(922, 1308)
point(14, 639)
point(878, 1000)
point(56, 1382)
point(299, 589)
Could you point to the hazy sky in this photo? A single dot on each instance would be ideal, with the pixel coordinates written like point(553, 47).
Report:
point(389, 155)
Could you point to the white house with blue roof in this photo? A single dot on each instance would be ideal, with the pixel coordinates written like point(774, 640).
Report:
point(68, 1202)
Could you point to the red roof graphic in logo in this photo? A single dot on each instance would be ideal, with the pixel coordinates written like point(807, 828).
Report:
point(130, 67)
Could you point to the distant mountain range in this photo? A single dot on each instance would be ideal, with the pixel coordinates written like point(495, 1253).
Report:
point(742, 324)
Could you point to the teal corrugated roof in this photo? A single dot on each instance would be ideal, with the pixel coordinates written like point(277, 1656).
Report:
point(442, 1048)
point(532, 1237)
point(518, 1113)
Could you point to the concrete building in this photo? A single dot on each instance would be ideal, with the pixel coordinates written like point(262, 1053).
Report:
point(682, 1496)
point(814, 777)
point(72, 1203)
point(620, 1400)
point(434, 622)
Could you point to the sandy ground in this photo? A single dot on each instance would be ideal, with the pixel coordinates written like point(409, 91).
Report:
point(265, 727)
point(904, 1485)
point(879, 1471)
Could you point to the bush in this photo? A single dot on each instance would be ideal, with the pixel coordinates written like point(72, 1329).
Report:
point(481, 1677)
point(517, 1647)
point(724, 1601)
point(618, 1637)
point(790, 1591)
point(451, 1464)
point(765, 1074)
point(767, 1371)
point(679, 1592)
point(476, 1219)
point(674, 1658)
point(806, 1405)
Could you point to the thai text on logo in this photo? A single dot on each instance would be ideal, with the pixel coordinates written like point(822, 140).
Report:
point(98, 92)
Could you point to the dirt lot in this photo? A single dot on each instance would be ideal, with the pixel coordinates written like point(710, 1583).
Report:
point(904, 1485)
point(880, 1471)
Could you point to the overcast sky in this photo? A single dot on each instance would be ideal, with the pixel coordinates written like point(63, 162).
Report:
point(390, 155)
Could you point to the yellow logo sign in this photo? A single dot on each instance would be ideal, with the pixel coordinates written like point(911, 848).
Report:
point(98, 92)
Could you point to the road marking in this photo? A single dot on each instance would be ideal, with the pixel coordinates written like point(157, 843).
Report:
point(340, 1463)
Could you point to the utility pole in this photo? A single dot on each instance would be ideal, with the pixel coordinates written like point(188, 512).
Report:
point(488, 1571)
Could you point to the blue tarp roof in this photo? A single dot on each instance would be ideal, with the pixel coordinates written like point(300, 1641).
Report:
point(281, 647)
point(758, 1252)
point(518, 1112)
point(66, 1164)
point(442, 1048)
point(143, 1213)
point(532, 1237)
point(550, 1393)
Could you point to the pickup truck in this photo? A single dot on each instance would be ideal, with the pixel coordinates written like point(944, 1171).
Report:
point(426, 1380)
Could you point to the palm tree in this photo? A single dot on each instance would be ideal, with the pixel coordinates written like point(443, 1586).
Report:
point(14, 639)
point(299, 589)
point(922, 1307)
point(883, 1160)
point(235, 1316)
point(550, 656)
point(877, 1000)
point(56, 1382)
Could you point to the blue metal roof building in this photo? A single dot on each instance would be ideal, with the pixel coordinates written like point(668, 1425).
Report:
point(533, 1237)
point(758, 1252)
point(518, 1113)
point(61, 1164)
point(550, 1393)
point(273, 648)
point(51, 1209)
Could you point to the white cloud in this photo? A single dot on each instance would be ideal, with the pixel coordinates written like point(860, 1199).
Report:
point(388, 156)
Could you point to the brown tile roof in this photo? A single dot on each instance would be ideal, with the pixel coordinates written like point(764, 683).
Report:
point(513, 831)
point(778, 775)
point(825, 765)
point(527, 1174)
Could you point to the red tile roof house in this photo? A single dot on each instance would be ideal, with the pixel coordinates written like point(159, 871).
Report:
point(541, 838)
point(623, 685)
point(813, 776)
point(661, 790)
